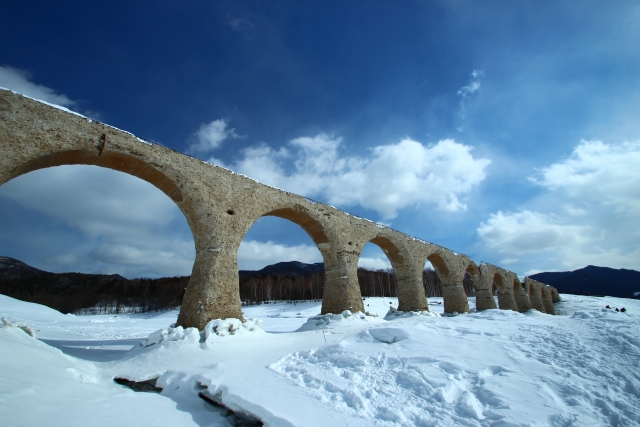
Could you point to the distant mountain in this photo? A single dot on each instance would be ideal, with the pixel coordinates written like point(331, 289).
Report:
point(288, 269)
point(68, 292)
point(11, 268)
point(592, 280)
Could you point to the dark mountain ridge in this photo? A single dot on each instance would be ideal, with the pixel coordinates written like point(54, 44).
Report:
point(593, 280)
point(287, 268)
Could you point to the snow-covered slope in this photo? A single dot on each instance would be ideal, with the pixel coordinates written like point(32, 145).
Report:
point(494, 368)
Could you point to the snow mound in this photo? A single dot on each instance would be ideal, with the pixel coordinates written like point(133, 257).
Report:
point(397, 314)
point(337, 321)
point(189, 335)
point(215, 328)
point(231, 326)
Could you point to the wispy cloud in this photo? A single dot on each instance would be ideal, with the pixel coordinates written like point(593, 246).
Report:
point(473, 85)
point(241, 25)
point(465, 92)
point(18, 81)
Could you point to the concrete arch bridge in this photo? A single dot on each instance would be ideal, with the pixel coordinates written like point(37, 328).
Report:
point(220, 207)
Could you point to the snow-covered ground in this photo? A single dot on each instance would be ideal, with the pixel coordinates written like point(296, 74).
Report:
point(492, 368)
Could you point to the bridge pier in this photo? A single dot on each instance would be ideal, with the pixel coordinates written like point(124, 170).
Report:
point(535, 294)
point(213, 291)
point(411, 296)
point(506, 300)
point(547, 299)
point(341, 287)
point(484, 285)
point(520, 295)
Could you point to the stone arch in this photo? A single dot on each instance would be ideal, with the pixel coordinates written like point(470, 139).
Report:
point(302, 217)
point(439, 264)
point(131, 165)
point(451, 269)
point(410, 290)
point(341, 289)
point(111, 160)
point(472, 269)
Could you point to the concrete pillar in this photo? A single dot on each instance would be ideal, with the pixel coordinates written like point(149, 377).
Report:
point(535, 294)
point(455, 299)
point(520, 295)
point(484, 283)
point(213, 291)
point(411, 296)
point(547, 299)
point(506, 300)
point(341, 288)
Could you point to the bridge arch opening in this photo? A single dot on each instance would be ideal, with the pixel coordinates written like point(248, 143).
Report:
point(431, 278)
point(281, 268)
point(65, 214)
point(376, 273)
point(497, 289)
point(106, 159)
point(470, 272)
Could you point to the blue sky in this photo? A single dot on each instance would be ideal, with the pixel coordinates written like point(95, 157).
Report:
point(504, 130)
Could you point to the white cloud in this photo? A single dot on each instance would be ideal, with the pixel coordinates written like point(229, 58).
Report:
point(526, 231)
point(588, 215)
point(393, 177)
point(254, 255)
point(210, 136)
point(598, 173)
point(129, 226)
point(18, 81)
point(374, 263)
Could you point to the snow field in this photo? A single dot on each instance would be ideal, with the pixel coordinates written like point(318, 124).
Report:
point(492, 368)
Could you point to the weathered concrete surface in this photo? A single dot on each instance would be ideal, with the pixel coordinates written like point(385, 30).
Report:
point(534, 289)
point(220, 207)
point(519, 293)
point(503, 280)
point(547, 299)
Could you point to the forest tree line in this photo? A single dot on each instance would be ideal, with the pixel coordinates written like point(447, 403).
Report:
point(112, 294)
point(259, 289)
